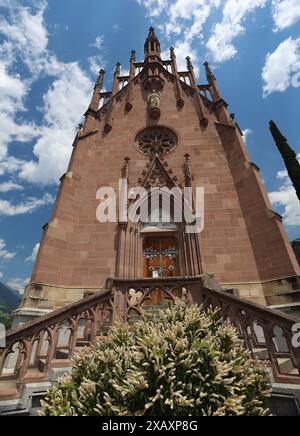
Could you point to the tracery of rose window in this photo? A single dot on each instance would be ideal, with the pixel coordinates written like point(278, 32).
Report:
point(156, 141)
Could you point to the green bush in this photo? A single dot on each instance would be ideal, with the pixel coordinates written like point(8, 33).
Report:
point(187, 362)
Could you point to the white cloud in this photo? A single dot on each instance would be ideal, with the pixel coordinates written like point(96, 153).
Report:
point(285, 13)
point(286, 198)
point(247, 133)
point(186, 22)
point(97, 61)
point(235, 12)
point(25, 40)
point(154, 7)
point(10, 186)
point(281, 66)
point(4, 253)
point(29, 205)
point(34, 253)
point(63, 105)
point(98, 42)
point(25, 34)
point(18, 284)
point(1, 275)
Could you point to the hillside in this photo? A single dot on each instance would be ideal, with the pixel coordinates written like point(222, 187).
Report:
point(9, 300)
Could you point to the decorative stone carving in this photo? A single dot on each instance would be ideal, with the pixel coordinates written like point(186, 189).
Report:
point(134, 297)
point(157, 178)
point(187, 171)
point(156, 141)
point(154, 105)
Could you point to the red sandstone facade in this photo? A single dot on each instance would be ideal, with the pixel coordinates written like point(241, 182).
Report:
point(243, 243)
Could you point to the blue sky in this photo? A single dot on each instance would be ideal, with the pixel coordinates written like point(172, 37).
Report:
point(50, 52)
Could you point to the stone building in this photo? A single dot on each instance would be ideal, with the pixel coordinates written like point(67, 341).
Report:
point(158, 127)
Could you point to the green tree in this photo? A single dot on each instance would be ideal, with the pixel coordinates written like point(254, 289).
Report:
point(289, 157)
point(187, 362)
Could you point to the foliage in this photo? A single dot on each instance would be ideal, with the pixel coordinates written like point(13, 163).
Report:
point(289, 157)
point(187, 362)
point(5, 318)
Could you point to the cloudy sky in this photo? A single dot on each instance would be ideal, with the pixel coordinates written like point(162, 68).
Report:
point(50, 52)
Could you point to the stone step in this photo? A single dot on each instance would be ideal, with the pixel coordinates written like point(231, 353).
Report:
point(284, 405)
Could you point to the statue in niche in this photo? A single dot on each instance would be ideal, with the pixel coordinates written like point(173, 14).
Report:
point(154, 104)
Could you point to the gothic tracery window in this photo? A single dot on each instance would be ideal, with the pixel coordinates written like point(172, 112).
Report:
point(156, 141)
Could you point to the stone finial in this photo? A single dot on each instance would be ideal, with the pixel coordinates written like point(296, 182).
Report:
point(118, 69)
point(189, 63)
point(209, 74)
point(133, 53)
point(99, 83)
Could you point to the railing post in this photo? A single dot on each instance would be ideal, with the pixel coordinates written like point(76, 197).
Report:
point(120, 304)
point(52, 348)
point(26, 361)
point(73, 337)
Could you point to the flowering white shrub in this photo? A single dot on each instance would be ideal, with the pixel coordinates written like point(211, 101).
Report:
point(187, 362)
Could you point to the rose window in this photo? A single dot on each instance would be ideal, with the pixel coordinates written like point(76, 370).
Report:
point(156, 141)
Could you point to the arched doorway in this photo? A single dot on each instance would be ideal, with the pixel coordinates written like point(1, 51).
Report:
point(161, 256)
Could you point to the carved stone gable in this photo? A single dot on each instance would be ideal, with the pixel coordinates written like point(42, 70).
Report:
point(159, 175)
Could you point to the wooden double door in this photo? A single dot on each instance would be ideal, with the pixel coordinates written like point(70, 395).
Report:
point(161, 257)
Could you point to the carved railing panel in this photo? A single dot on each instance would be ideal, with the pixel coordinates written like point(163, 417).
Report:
point(35, 350)
point(266, 333)
point(50, 342)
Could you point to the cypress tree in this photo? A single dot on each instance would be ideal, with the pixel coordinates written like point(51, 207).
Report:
point(289, 157)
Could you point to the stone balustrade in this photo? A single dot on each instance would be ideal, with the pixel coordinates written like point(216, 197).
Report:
point(33, 351)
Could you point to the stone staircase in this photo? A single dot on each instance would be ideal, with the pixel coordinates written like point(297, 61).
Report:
point(37, 354)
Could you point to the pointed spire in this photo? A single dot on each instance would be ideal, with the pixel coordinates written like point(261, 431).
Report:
point(100, 80)
point(214, 90)
point(152, 44)
point(178, 91)
point(118, 69)
point(199, 103)
point(115, 88)
point(94, 106)
point(132, 55)
point(190, 66)
point(209, 74)
point(129, 97)
point(132, 64)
